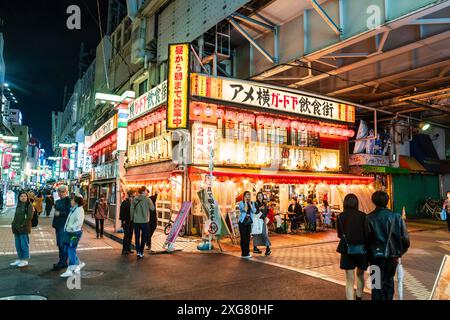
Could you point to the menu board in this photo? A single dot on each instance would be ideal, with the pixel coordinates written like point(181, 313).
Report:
point(441, 289)
point(232, 221)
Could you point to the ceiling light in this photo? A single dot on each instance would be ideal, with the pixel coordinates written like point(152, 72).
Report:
point(424, 126)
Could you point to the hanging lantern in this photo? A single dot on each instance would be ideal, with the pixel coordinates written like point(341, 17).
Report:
point(158, 117)
point(268, 121)
point(302, 126)
point(220, 113)
point(230, 116)
point(278, 123)
point(324, 129)
point(309, 127)
point(316, 128)
point(332, 131)
point(250, 118)
point(197, 110)
point(286, 124)
point(259, 120)
point(240, 117)
point(208, 111)
point(350, 133)
point(294, 125)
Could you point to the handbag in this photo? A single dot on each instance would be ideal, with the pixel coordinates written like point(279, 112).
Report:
point(380, 251)
point(257, 226)
point(352, 249)
point(444, 214)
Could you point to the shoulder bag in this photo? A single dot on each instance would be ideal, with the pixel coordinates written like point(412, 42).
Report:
point(380, 251)
point(352, 249)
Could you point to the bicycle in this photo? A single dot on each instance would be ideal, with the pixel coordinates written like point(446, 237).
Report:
point(168, 228)
point(431, 207)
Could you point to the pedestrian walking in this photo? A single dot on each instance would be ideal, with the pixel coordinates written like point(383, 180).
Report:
point(100, 214)
point(49, 203)
point(389, 241)
point(62, 210)
point(153, 223)
point(140, 215)
point(447, 209)
point(246, 209)
point(262, 239)
point(352, 230)
point(21, 228)
point(39, 203)
point(311, 213)
point(73, 230)
point(127, 223)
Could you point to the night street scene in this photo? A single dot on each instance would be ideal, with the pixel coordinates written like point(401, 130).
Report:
point(225, 158)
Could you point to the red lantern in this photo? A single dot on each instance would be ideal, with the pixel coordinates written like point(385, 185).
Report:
point(286, 123)
point(302, 126)
point(350, 133)
point(268, 121)
point(260, 120)
point(208, 111)
point(332, 131)
point(278, 122)
point(230, 116)
point(240, 117)
point(309, 127)
point(294, 125)
point(197, 110)
point(220, 113)
point(250, 118)
point(316, 128)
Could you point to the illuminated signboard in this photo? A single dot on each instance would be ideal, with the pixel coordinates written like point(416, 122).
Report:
point(203, 137)
point(178, 87)
point(153, 150)
point(108, 127)
point(256, 95)
point(148, 101)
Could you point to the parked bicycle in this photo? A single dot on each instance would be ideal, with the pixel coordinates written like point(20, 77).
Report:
point(431, 208)
point(168, 227)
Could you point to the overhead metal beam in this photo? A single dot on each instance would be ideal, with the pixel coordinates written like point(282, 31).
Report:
point(382, 42)
point(325, 17)
point(431, 21)
point(346, 55)
point(253, 21)
point(376, 58)
point(250, 39)
point(392, 77)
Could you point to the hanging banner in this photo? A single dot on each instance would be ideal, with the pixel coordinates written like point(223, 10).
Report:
point(255, 94)
point(179, 223)
point(178, 87)
point(217, 226)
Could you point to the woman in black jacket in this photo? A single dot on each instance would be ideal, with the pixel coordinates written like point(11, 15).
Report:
point(352, 230)
point(263, 238)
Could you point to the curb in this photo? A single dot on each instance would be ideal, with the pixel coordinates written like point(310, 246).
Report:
point(106, 233)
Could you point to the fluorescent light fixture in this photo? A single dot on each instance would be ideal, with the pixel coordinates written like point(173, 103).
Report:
point(67, 145)
point(6, 85)
point(424, 126)
point(127, 96)
point(8, 138)
point(54, 158)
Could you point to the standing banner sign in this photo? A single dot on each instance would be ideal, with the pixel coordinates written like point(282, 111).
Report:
point(179, 223)
point(178, 87)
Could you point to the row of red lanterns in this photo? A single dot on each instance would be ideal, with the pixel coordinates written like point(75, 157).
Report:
point(148, 120)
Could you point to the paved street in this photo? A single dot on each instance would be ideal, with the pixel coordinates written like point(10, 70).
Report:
point(305, 271)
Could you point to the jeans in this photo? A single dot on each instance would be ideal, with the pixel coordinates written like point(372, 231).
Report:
point(140, 233)
point(48, 210)
point(99, 226)
point(448, 221)
point(388, 267)
point(245, 231)
point(22, 246)
point(71, 249)
point(62, 252)
point(128, 235)
point(151, 229)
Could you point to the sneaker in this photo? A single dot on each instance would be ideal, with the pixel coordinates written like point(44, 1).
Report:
point(68, 273)
point(23, 264)
point(15, 263)
point(268, 252)
point(247, 257)
point(256, 250)
point(81, 266)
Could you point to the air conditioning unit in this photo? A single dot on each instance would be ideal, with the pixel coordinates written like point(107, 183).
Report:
point(138, 35)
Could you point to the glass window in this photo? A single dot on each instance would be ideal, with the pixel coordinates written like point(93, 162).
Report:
point(143, 87)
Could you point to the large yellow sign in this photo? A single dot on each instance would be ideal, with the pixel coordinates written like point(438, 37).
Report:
point(178, 87)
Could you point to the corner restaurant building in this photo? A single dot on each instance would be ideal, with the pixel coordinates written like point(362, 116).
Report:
point(280, 141)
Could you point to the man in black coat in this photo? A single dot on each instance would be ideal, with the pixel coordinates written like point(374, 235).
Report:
point(127, 224)
point(62, 210)
point(153, 223)
point(389, 241)
point(296, 214)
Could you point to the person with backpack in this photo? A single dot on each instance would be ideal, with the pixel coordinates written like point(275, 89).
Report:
point(62, 210)
point(353, 235)
point(140, 215)
point(388, 242)
point(21, 228)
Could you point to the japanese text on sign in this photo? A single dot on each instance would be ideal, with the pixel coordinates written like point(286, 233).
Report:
point(148, 101)
point(255, 95)
point(204, 138)
point(108, 127)
point(177, 87)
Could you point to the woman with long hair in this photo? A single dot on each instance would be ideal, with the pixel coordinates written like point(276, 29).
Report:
point(21, 227)
point(352, 230)
point(262, 239)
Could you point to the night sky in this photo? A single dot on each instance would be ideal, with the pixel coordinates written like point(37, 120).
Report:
point(42, 55)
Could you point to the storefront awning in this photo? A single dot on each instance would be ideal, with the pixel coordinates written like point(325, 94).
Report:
point(156, 171)
point(282, 176)
point(411, 163)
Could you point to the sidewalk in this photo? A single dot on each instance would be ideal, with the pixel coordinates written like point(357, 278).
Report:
point(158, 239)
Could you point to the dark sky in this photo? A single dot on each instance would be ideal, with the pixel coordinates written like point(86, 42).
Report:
point(42, 55)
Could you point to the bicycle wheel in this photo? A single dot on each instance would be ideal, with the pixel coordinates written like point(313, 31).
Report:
point(167, 229)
